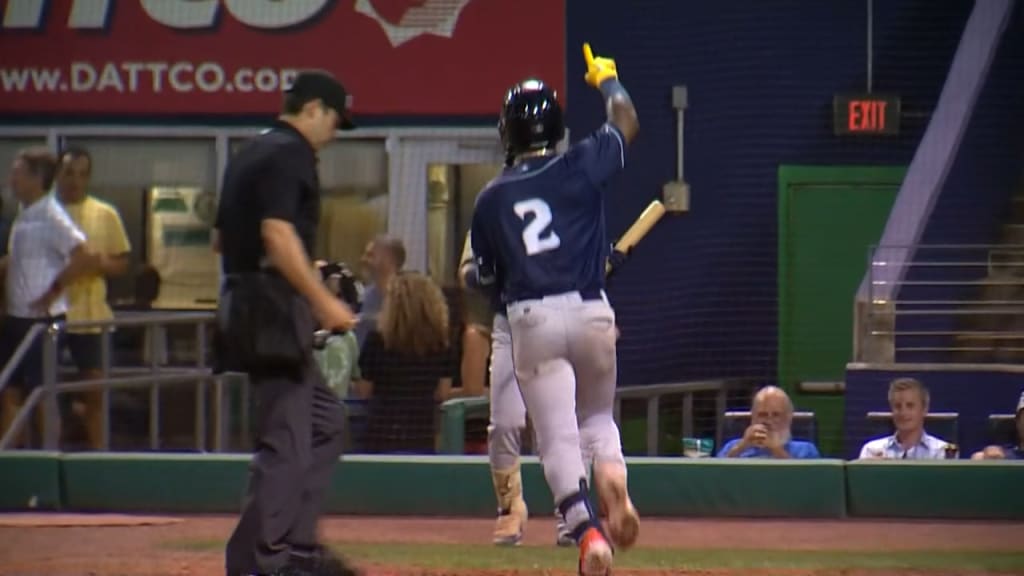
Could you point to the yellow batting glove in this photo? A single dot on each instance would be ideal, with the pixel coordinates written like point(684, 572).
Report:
point(598, 69)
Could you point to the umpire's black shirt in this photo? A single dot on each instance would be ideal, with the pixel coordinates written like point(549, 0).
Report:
point(273, 176)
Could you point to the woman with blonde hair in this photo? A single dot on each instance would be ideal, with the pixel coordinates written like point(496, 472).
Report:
point(407, 366)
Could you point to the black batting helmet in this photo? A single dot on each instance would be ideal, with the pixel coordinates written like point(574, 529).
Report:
point(531, 118)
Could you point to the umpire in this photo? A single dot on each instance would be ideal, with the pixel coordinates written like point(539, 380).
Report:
point(271, 304)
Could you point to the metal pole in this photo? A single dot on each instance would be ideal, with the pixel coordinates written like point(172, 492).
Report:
point(20, 421)
point(51, 411)
point(652, 425)
point(218, 411)
point(154, 390)
point(721, 404)
point(687, 416)
point(105, 392)
point(201, 344)
point(679, 143)
point(19, 353)
point(201, 388)
point(870, 341)
point(200, 423)
point(246, 407)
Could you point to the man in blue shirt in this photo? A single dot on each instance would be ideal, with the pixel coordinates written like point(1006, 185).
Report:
point(769, 436)
point(383, 259)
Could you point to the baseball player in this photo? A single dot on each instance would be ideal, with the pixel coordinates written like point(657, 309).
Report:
point(508, 413)
point(507, 418)
point(538, 235)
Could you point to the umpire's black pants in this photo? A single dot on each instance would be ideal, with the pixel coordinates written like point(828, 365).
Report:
point(299, 425)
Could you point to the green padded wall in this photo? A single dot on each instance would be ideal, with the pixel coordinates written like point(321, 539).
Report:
point(154, 482)
point(461, 486)
point(936, 489)
point(455, 486)
point(747, 488)
point(427, 485)
point(30, 480)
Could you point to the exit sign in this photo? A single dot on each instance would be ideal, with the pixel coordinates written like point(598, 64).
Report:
point(867, 114)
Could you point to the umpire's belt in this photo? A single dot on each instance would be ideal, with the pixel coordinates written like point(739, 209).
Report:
point(236, 278)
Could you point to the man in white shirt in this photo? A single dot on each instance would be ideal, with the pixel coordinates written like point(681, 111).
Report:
point(46, 251)
point(908, 400)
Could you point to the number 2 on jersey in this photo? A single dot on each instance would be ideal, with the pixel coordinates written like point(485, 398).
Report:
point(533, 235)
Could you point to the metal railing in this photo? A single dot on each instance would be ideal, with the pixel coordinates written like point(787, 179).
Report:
point(455, 412)
point(958, 303)
point(153, 377)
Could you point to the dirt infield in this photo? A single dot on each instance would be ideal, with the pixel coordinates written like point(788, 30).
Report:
point(157, 551)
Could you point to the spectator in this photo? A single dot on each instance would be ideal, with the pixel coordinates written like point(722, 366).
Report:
point(769, 434)
point(87, 297)
point(1013, 451)
point(47, 253)
point(147, 287)
point(908, 400)
point(384, 257)
point(407, 366)
point(338, 354)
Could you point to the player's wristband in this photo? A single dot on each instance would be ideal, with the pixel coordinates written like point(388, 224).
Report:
point(612, 88)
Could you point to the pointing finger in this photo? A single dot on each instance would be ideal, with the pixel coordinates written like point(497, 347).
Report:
point(588, 54)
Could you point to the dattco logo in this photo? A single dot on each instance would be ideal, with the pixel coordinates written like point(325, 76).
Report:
point(159, 58)
point(434, 17)
point(178, 14)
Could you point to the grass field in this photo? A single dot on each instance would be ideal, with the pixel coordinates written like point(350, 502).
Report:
point(408, 546)
point(527, 558)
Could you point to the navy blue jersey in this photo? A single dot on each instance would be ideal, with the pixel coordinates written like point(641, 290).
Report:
point(538, 228)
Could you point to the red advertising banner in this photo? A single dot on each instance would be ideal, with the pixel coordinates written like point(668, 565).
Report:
point(232, 57)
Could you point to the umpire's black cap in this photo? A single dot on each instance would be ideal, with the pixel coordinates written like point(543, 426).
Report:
point(313, 84)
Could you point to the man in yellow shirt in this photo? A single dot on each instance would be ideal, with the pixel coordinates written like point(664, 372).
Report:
point(87, 297)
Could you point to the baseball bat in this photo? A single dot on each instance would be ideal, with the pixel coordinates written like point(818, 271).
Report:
point(648, 218)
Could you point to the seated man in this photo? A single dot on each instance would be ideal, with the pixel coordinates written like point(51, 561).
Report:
point(768, 435)
point(908, 400)
point(1013, 451)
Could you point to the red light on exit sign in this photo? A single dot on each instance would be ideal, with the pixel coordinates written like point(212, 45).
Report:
point(866, 114)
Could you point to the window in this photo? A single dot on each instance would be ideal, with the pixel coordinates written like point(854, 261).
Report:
point(163, 189)
point(451, 194)
point(354, 206)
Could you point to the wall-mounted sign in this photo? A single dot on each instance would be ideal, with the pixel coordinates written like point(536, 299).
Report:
point(866, 114)
point(233, 57)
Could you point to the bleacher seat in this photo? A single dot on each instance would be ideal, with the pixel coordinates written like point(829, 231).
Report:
point(1002, 429)
point(945, 425)
point(805, 426)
